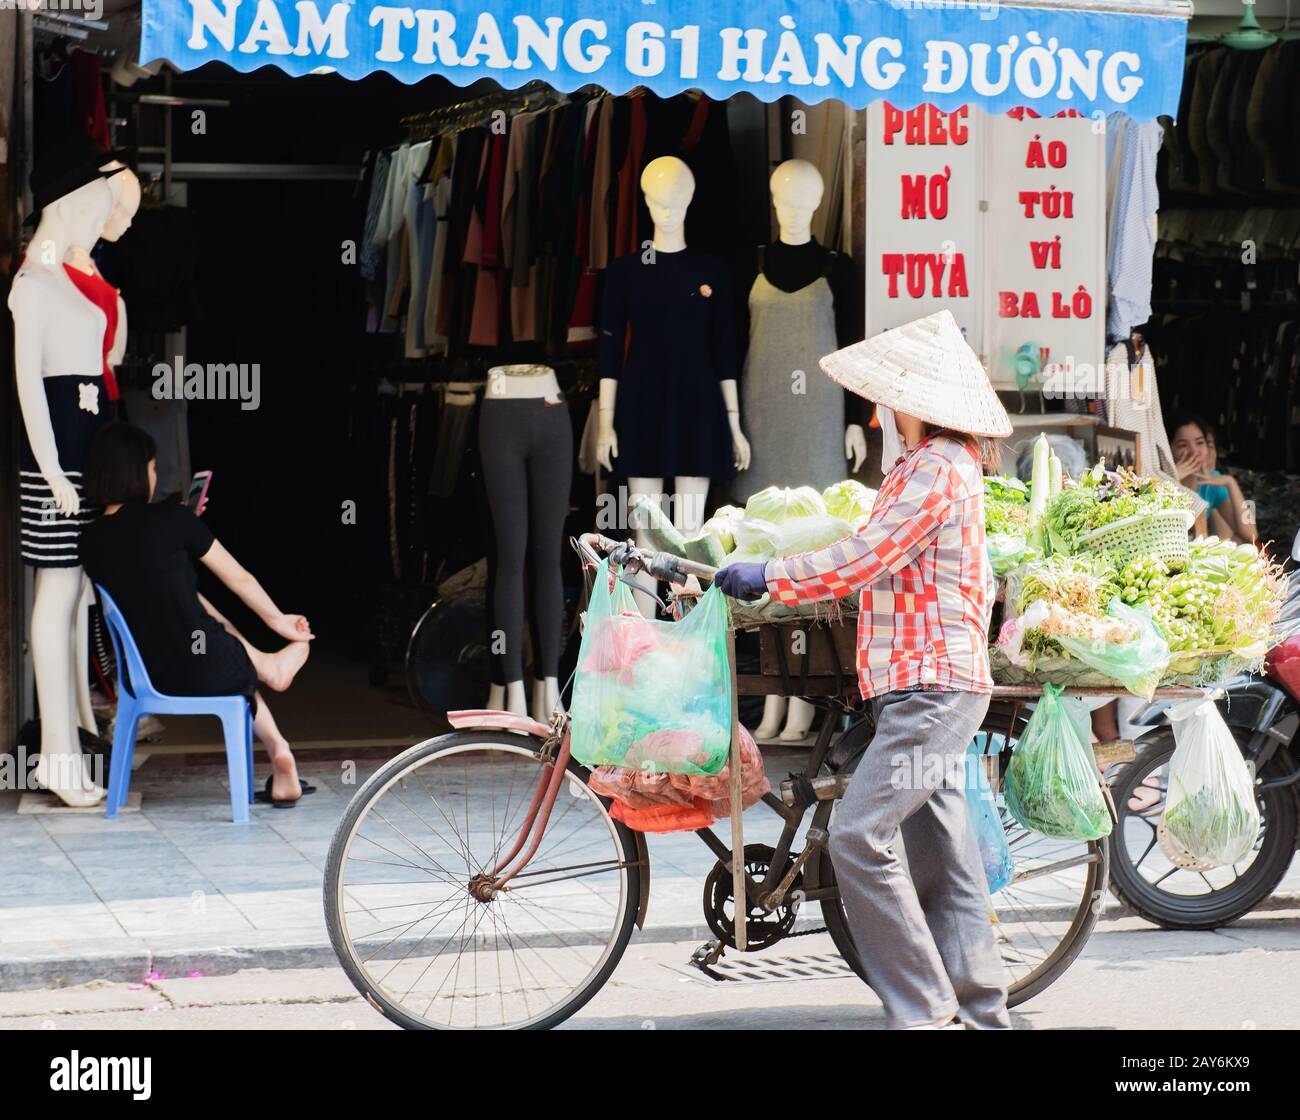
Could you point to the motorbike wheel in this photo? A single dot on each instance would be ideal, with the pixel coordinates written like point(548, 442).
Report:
point(1143, 878)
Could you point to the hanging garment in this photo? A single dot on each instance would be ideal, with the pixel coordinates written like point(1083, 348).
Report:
point(1131, 223)
point(795, 429)
point(421, 225)
point(1207, 167)
point(440, 200)
point(483, 247)
point(92, 118)
point(674, 313)
point(370, 255)
point(628, 185)
point(581, 326)
point(456, 276)
point(599, 247)
point(388, 231)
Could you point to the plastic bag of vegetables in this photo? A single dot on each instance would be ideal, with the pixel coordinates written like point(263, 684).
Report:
point(1052, 785)
point(1137, 664)
point(1211, 812)
point(982, 812)
point(652, 695)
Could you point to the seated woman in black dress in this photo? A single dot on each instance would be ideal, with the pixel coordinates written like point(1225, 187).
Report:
point(143, 554)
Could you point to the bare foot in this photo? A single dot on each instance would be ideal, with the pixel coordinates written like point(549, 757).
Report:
point(279, 669)
point(285, 785)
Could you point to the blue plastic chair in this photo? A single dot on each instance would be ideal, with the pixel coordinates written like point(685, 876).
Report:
point(137, 697)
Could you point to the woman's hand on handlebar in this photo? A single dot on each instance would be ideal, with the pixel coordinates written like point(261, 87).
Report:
point(742, 581)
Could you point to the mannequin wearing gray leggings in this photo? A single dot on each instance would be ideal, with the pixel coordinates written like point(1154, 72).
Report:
point(526, 446)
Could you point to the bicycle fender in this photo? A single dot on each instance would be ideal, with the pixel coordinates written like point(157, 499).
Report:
point(643, 866)
point(493, 719)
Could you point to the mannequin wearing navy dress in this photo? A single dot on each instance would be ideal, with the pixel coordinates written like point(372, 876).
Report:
point(669, 406)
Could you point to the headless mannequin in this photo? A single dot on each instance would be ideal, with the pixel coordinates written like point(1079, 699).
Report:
point(529, 495)
point(791, 264)
point(668, 187)
point(69, 227)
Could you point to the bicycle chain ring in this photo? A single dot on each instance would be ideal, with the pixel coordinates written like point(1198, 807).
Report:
point(762, 927)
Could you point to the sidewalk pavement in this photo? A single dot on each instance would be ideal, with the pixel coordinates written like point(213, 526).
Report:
point(178, 890)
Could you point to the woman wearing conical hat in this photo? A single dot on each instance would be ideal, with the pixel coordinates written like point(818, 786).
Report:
point(927, 592)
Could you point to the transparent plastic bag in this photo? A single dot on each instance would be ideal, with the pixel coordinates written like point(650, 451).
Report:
point(642, 789)
point(1137, 665)
point(650, 695)
point(1211, 812)
point(1052, 785)
point(982, 811)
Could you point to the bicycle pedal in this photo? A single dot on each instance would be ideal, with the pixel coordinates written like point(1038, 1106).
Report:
point(707, 955)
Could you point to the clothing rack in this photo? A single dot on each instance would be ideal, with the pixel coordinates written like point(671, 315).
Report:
point(474, 110)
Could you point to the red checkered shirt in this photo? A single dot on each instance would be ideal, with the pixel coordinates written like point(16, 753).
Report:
point(920, 564)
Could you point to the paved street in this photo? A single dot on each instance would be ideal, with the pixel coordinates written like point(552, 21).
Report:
point(1243, 978)
point(174, 917)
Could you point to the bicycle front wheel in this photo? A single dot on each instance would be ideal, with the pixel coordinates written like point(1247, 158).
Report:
point(423, 948)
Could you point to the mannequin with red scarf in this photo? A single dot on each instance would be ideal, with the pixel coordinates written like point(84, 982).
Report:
point(69, 330)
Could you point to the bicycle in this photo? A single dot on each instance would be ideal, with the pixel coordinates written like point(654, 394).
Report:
point(519, 892)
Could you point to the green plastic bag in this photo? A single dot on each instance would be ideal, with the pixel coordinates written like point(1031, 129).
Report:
point(650, 695)
point(1137, 665)
point(1052, 785)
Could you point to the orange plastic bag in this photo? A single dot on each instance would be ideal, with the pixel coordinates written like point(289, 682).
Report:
point(664, 818)
point(639, 788)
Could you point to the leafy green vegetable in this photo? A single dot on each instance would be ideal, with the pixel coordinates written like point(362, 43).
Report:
point(1211, 828)
point(1101, 497)
point(777, 504)
point(1002, 488)
point(848, 500)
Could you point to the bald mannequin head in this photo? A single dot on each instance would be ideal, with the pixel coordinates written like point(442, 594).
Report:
point(797, 190)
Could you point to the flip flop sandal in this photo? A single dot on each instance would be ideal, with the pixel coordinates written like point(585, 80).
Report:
point(1146, 797)
point(264, 795)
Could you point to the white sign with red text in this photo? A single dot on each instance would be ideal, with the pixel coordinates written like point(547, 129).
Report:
point(1002, 221)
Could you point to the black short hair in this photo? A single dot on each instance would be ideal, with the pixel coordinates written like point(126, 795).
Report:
point(117, 465)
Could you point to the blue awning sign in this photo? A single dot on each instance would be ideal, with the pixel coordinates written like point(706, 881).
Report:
point(988, 53)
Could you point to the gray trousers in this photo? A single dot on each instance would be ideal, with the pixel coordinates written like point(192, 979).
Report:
point(923, 930)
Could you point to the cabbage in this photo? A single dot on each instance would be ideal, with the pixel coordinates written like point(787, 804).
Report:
point(776, 504)
point(761, 540)
point(752, 530)
point(849, 500)
point(803, 534)
point(723, 525)
point(755, 553)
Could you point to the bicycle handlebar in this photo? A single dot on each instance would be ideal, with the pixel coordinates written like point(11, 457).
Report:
point(661, 565)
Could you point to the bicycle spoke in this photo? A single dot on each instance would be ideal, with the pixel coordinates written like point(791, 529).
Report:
point(439, 943)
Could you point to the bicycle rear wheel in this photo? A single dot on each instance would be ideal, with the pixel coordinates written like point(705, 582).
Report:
point(413, 938)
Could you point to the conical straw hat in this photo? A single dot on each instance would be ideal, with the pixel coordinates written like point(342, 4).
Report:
point(926, 369)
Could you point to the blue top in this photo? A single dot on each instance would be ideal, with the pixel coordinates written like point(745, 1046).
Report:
point(1215, 496)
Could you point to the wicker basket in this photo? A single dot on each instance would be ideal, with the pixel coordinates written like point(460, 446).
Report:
point(1162, 534)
